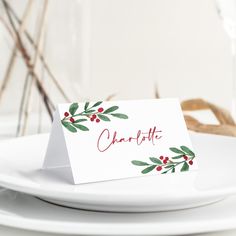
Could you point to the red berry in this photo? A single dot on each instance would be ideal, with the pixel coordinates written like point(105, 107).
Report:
point(100, 109)
point(159, 168)
point(165, 161)
point(167, 158)
point(72, 120)
point(190, 162)
point(185, 157)
point(161, 157)
point(91, 119)
point(66, 114)
point(97, 120)
point(94, 116)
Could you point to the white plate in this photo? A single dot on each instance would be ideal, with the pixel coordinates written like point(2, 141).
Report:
point(20, 169)
point(27, 212)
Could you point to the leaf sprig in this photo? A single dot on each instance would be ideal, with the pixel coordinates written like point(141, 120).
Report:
point(164, 165)
point(72, 120)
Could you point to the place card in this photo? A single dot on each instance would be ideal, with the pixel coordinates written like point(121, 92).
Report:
point(109, 140)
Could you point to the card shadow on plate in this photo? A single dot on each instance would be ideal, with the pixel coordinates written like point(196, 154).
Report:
point(61, 175)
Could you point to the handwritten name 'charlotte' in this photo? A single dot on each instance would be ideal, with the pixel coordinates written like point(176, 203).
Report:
point(107, 138)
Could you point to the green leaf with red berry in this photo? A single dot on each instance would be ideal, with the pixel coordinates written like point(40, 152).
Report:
point(103, 117)
point(177, 157)
point(148, 169)
point(111, 109)
point(155, 160)
point(97, 104)
point(80, 120)
point(187, 150)
point(81, 127)
point(169, 164)
point(140, 163)
point(176, 150)
point(94, 113)
point(185, 167)
point(119, 115)
point(86, 106)
point(69, 127)
point(73, 108)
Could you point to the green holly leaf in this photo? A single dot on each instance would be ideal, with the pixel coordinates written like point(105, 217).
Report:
point(139, 163)
point(64, 122)
point(185, 167)
point(86, 106)
point(103, 117)
point(155, 160)
point(173, 170)
point(89, 111)
point(97, 104)
point(81, 127)
point(165, 172)
point(176, 150)
point(73, 108)
point(187, 150)
point(169, 166)
point(80, 120)
point(119, 115)
point(68, 126)
point(177, 157)
point(111, 109)
point(148, 169)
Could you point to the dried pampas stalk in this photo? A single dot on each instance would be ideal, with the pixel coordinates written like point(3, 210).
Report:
point(11, 63)
point(110, 97)
point(194, 125)
point(226, 123)
point(226, 126)
point(46, 99)
point(34, 62)
point(156, 92)
point(222, 115)
point(41, 57)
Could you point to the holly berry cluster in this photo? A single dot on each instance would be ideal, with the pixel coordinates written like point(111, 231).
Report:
point(94, 116)
point(164, 164)
point(72, 120)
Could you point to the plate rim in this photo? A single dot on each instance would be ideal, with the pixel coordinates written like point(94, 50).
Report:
point(5, 181)
point(104, 228)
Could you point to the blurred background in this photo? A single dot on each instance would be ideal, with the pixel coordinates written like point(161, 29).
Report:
point(96, 48)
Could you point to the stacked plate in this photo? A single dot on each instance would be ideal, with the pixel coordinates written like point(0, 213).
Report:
point(165, 204)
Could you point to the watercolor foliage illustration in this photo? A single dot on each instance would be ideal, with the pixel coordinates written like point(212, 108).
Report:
point(75, 118)
point(182, 160)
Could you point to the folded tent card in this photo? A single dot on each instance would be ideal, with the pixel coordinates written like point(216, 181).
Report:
point(109, 140)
